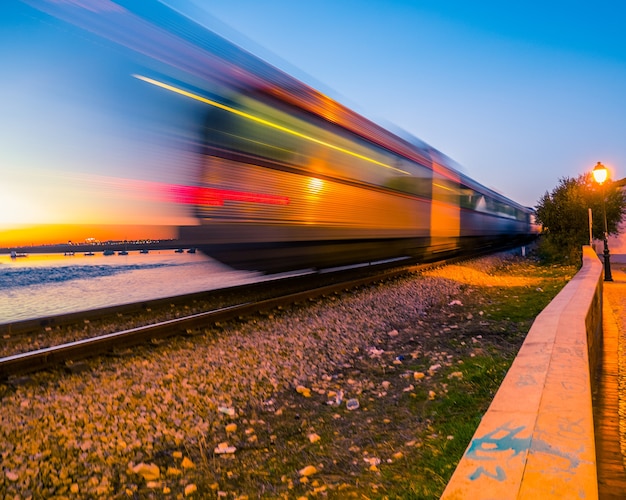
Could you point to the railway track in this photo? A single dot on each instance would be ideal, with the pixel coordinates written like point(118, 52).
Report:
point(225, 305)
point(283, 294)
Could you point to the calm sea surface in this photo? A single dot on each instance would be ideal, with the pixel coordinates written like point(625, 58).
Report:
point(42, 285)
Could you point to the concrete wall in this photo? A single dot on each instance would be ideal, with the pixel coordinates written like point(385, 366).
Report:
point(536, 440)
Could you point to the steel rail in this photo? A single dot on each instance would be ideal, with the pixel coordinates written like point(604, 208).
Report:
point(27, 326)
point(48, 357)
point(21, 327)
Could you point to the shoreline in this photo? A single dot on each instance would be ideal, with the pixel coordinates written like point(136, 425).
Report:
point(115, 246)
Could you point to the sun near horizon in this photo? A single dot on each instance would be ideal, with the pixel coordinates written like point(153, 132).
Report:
point(51, 234)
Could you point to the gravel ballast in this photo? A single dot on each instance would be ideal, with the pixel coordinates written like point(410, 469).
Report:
point(168, 420)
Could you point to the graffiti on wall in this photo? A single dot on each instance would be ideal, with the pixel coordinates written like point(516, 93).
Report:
point(506, 442)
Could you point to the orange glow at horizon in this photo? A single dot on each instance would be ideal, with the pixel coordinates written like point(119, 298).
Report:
point(48, 234)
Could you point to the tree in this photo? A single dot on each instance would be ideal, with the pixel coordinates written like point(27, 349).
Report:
point(564, 215)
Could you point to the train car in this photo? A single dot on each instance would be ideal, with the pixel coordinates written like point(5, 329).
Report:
point(284, 187)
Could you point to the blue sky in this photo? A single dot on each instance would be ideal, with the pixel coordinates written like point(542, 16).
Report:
point(519, 93)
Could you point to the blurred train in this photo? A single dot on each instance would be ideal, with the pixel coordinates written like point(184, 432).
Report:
point(289, 178)
point(328, 197)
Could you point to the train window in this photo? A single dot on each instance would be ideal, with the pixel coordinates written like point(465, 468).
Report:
point(227, 132)
point(479, 201)
point(258, 129)
point(446, 189)
point(310, 144)
point(497, 207)
point(470, 199)
point(420, 184)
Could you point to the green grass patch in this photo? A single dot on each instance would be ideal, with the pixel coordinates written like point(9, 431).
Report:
point(523, 304)
point(452, 420)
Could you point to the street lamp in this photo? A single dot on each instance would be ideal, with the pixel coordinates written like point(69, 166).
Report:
point(600, 174)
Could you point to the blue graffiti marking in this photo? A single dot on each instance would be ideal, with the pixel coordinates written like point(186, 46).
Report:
point(490, 447)
point(500, 475)
point(508, 442)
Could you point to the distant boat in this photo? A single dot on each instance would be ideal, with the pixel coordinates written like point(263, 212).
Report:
point(89, 254)
point(69, 254)
point(144, 250)
point(15, 254)
point(108, 252)
point(179, 250)
point(122, 252)
point(191, 250)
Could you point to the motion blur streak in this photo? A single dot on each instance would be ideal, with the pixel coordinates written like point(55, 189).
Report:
point(265, 122)
point(194, 195)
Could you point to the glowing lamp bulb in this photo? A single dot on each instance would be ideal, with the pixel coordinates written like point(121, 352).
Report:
point(600, 173)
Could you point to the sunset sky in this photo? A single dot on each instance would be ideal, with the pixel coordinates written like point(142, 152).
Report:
point(520, 94)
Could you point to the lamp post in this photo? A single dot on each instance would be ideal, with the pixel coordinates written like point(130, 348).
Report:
point(600, 174)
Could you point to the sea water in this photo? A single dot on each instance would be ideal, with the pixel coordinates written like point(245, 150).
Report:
point(40, 285)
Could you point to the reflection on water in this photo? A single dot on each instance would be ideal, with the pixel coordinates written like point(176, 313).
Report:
point(44, 285)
